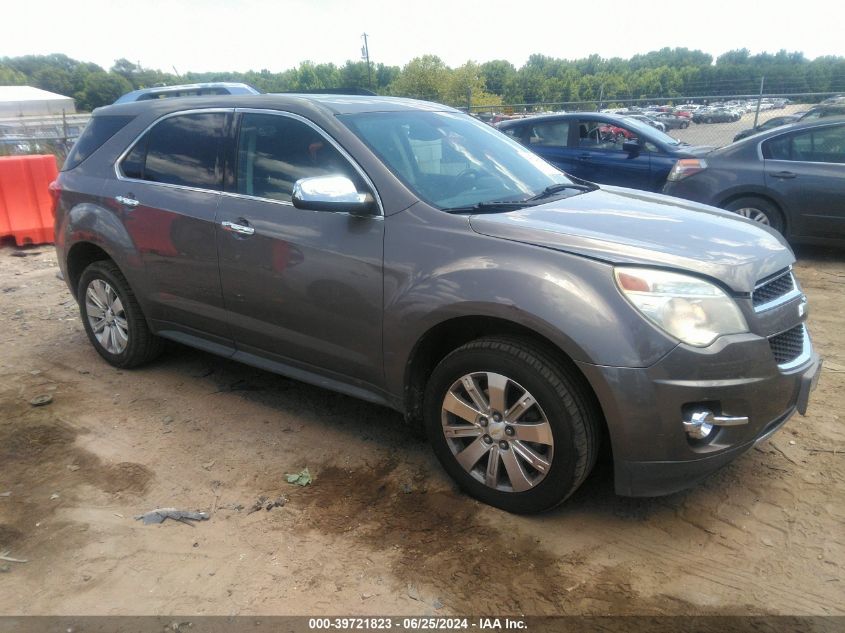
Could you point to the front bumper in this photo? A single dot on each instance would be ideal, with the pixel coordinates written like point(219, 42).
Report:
point(644, 409)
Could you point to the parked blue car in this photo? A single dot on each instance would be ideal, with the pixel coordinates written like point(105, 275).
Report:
point(603, 148)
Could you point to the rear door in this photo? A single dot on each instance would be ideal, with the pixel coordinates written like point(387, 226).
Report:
point(166, 192)
point(301, 287)
point(806, 170)
point(550, 140)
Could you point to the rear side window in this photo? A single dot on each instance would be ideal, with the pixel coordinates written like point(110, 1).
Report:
point(824, 145)
point(554, 134)
point(98, 131)
point(180, 150)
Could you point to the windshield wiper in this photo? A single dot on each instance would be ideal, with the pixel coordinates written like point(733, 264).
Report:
point(492, 205)
point(558, 187)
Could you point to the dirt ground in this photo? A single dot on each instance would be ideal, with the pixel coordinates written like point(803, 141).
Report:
point(381, 530)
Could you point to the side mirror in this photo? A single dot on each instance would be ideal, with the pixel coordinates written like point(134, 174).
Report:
point(632, 147)
point(331, 193)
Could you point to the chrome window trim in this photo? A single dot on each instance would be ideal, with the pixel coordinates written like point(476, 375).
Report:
point(119, 175)
point(143, 133)
point(346, 155)
point(804, 356)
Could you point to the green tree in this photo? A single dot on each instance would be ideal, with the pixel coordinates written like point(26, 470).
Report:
point(497, 74)
point(422, 78)
point(11, 77)
point(102, 88)
point(56, 80)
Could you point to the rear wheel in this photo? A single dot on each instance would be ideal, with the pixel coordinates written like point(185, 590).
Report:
point(759, 210)
point(113, 319)
point(512, 426)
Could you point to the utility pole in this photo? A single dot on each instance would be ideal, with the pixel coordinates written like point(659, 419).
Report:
point(759, 99)
point(365, 54)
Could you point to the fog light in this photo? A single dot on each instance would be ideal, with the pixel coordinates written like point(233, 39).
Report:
point(701, 423)
point(699, 426)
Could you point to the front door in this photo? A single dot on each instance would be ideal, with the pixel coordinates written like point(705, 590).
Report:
point(300, 287)
point(602, 159)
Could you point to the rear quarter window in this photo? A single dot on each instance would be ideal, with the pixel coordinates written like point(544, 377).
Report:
point(98, 131)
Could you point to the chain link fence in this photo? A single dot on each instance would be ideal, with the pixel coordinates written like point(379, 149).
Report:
point(708, 120)
point(41, 135)
point(699, 120)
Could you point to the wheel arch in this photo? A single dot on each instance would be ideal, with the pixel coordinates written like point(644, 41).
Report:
point(441, 339)
point(763, 195)
point(79, 257)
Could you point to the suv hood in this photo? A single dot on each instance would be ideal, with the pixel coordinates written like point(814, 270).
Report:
point(625, 226)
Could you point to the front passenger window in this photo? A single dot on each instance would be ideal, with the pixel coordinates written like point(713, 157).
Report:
point(603, 135)
point(275, 151)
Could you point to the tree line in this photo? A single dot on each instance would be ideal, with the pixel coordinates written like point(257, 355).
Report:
point(667, 73)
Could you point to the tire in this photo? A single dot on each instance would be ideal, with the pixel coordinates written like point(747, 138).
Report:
point(563, 423)
point(759, 210)
point(124, 340)
point(684, 125)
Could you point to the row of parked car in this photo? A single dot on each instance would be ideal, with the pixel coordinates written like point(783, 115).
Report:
point(789, 177)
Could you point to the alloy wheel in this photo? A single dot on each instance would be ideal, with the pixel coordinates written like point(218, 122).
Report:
point(497, 431)
point(754, 214)
point(106, 316)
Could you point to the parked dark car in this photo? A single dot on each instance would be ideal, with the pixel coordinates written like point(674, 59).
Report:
point(578, 144)
point(673, 121)
point(771, 124)
point(791, 178)
point(823, 111)
point(188, 90)
point(648, 120)
point(405, 253)
point(716, 115)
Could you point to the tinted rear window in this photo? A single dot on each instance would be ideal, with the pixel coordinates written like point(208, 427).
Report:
point(98, 131)
point(180, 150)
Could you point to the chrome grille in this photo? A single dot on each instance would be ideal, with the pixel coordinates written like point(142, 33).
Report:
point(788, 345)
point(773, 289)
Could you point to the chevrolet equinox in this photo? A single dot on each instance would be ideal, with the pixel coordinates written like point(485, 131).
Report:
point(404, 253)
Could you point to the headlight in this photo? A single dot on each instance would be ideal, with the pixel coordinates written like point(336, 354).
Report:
point(690, 309)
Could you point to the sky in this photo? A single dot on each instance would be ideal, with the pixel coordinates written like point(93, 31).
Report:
point(240, 35)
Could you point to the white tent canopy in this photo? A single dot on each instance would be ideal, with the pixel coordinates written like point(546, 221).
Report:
point(29, 101)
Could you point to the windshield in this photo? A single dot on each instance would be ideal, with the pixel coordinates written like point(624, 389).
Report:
point(650, 132)
point(450, 160)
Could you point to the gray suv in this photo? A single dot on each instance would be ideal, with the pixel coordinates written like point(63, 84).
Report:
point(404, 253)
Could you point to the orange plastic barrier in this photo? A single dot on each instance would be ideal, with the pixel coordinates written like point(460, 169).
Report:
point(26, 206)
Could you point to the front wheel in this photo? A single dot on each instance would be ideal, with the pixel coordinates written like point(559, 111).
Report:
point(758, 210)
point(512, 426)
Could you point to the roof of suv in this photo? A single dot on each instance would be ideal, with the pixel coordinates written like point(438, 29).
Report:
point(331, 103)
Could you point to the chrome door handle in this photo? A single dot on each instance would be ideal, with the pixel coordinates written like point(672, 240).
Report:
point(784, 174)
point(127, 202)
point(233, 227)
